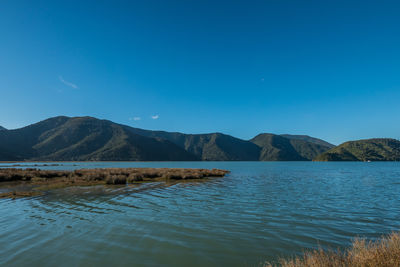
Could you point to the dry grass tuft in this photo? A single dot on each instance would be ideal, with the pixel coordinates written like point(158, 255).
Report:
point(382, 253)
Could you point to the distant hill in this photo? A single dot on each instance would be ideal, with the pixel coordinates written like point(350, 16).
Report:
point(210, 147)
point(308, 139)
point(2, 128)
point(280, 148)
point(379, 149)
point(86, 138)
point(264, 147)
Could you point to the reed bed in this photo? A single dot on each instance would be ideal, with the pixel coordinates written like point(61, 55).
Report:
point(362, 253)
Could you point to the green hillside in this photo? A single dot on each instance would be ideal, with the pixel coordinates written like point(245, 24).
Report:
point(211, 147)
point(275, 148)
point(308, 150)
point(308, 139)
point(382, 149)
point(84, 138)
point(280, 148)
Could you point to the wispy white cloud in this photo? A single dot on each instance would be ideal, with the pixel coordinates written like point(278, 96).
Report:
point(135, 119)
point(67, 83)
point(155, 117)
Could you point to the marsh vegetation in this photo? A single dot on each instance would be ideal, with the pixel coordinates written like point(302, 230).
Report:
point(50, 179)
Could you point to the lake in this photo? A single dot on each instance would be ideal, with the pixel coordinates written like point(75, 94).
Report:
point(260, 211)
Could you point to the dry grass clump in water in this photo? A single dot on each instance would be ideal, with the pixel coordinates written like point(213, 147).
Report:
point(124, 175)
point(382, 253)
point(110, 175)
point(50, 179)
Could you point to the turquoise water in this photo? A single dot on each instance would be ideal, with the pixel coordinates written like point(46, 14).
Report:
point(261, 210)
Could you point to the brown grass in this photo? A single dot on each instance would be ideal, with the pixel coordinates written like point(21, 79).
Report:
point(382, 253)
point(49, 179)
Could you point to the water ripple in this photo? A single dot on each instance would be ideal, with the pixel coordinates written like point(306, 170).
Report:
point(259, 211)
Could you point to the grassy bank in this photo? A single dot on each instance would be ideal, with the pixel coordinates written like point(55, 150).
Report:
point(49, 179)
point(382, 253)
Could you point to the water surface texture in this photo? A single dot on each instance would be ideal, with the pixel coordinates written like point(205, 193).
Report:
point(261, 210)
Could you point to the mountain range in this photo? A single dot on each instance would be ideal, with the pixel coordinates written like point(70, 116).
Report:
point(87, 138)
point(90, 139)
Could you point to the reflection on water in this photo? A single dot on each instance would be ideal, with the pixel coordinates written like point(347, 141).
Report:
point(259, 211)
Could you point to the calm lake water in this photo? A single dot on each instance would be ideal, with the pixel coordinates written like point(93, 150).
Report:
point(261, 210)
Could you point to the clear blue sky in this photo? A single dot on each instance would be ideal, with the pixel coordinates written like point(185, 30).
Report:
point(329, 69)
